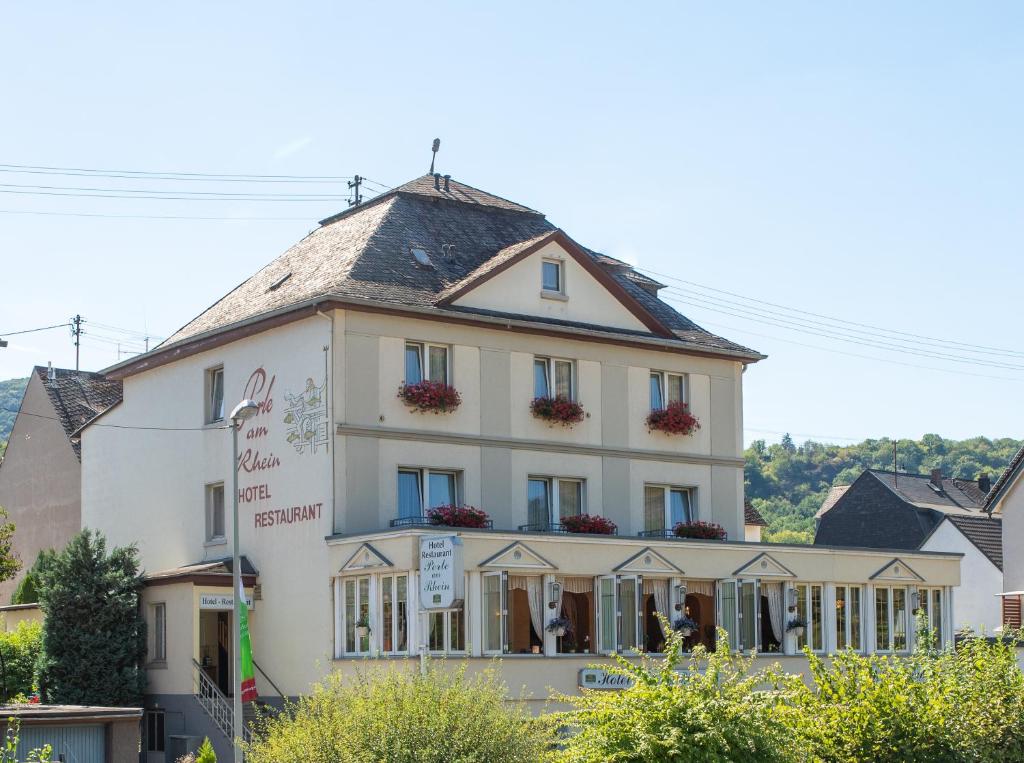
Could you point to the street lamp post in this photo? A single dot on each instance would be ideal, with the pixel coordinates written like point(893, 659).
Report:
point(242, 412)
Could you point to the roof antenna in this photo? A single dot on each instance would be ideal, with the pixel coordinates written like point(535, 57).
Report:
point(434, 148)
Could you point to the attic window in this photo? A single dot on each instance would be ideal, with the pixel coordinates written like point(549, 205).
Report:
point(279, 281)
point(420, 255)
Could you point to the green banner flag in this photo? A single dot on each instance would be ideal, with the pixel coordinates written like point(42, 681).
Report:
point(248, 675)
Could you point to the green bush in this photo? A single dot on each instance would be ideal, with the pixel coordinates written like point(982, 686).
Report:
point(704, 707)
point(27, 590)
point(442, 716)
point(19, 651)
point(205, 753)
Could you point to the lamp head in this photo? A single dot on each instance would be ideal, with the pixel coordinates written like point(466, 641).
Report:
point(244, 411)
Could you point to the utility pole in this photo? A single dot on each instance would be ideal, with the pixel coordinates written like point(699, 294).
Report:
point(354, 183)
point(76, 332)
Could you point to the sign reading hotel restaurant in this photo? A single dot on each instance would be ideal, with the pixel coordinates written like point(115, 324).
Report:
point(442, 575)
point(220, 601)
point(597, 678)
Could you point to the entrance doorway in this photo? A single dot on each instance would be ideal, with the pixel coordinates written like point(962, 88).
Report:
point(215, 648)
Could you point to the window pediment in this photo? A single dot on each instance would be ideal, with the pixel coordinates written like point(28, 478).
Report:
point(897, 570)
point(764, 566)
point(366, 557)
point(518, 556)
point(648, 562)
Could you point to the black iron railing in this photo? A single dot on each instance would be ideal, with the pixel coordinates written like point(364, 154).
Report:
point(429, 522)
point(556, 527)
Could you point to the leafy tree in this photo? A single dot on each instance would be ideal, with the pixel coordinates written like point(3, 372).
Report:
point(11, 392)
point(27, 591)
point(19, 651)
point(94, 637)
point(441, 716)
point(9, 562)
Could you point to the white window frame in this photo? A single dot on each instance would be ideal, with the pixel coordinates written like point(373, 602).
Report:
point(208, 493)
point(926, 602)
point(806, 614)
point(211, 414)
point(892, 621)
point(388, 582)
point(446, 628)
point(502, 622)
point(663, 377)
point(159, 610)
point(735, 643)
point(423, 474)
point(341, 615)
point(424, 352)
point(549, 375)
point(554, 496)
point(560, 265)
point(667, 504)
point(637, 614)
point(848, 611)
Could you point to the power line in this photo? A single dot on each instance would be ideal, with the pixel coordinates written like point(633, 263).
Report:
point(153, 217)
point(39, 169)
point(864, 357)
point(791, 326)
point(318, 196)
point(827, 317)
point(114, 426)
point(114, 194)
point(30, 331)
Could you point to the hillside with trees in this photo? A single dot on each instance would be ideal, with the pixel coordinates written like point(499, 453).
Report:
point(10, 398)
point(788, 482)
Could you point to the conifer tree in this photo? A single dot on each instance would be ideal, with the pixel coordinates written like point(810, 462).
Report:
point(94, 636)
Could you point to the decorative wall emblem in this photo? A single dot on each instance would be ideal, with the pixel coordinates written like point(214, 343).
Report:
point(306, 418)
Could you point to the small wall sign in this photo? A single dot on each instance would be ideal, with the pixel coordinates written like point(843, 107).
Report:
point(442, 573)
point(219, 601)
point(597, 678)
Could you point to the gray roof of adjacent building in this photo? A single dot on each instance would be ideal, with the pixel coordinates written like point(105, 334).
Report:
point(78, 397)
point(985, 532)
point(1010, 473)
point(364, 254)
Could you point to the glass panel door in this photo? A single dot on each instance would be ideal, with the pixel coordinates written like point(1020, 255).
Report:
point(727, 610)
point(607, 611)
point(494, 612)
point(748, 620)
point(629, 613)
point(538, 502)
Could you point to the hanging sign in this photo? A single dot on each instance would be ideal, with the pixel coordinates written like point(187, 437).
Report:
point(442, 573)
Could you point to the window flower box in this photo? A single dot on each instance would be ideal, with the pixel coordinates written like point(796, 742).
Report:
point(430, 396)
point(458, 516)
point(674, 419)
point(589, 523)
point(557, 410)
point(701, 530)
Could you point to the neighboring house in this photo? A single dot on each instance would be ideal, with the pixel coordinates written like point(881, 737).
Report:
point(40, 474)
point(442, 282)
point(1006, 501)
point(752, 523)
point(930, 513)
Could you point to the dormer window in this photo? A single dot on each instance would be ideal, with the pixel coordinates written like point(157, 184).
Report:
point(421, 257)
point(551, 277)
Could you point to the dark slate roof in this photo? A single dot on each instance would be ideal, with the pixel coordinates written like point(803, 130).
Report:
point(834, 494)
point(364, 253)
point(917, 489)
point(78, 397)
point(752, 516)
point(1009, 474)
point(984, 532)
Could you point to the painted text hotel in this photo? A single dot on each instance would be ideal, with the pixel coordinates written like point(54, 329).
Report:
point(529, 367)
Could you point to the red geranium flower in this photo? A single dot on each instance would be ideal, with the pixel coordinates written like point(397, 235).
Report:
point(557, 410)
point(436, 397)
point(703, 530)
point(675, 418)
point(458, 516)
point(589, 523)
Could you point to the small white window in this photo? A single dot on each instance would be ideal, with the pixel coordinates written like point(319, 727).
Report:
point(159, 633)
point(551, 276)
point(848, 617)
point(551, 499)
point(929, 604)
point(214, 395)
point(394, 614)
point(554, 377)
point(354, 617)
point(667, 388)
point(619, 614)
point(424, 361)
point(891, 619)
point(666, 506)
point(810, 609)
point(215, 512)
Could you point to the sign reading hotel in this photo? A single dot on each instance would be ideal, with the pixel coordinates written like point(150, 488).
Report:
point(220, 601)
point(298, 426)
point(442, 573)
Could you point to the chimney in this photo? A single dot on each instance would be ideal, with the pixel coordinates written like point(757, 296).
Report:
point(937, 478)
point(437, 181)
point(51, 375)
point(446, 179)
point(984, 482)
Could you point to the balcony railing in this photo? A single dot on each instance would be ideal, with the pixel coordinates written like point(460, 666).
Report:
point(669, 533)
point(555, 527)
point(422, 521)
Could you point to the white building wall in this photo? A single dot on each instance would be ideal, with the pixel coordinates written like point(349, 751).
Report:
point(976, 602)
point(1011, 508)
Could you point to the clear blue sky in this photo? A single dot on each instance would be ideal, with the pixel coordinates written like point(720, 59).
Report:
point(860, 160)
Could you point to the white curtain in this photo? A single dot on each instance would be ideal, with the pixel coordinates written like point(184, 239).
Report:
point(660, 590)
point(701, 587)
point(773, 592)
point(535, 595)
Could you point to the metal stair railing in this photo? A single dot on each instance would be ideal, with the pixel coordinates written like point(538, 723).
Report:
point(217, 706)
